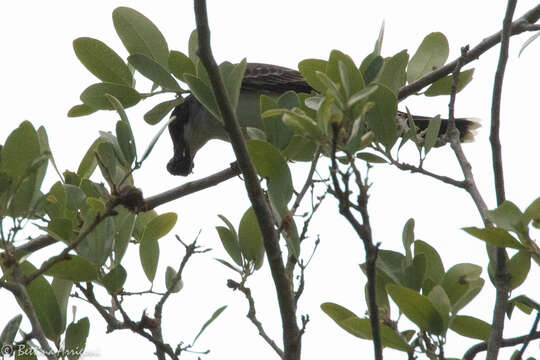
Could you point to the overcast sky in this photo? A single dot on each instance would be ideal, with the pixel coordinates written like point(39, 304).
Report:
point(42, 78)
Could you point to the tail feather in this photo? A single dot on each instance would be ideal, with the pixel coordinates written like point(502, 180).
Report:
point(465, 126)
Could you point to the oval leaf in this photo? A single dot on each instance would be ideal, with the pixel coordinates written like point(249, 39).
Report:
point(102, 61)
point(75, 269)
point(94, 95)
point(417, 308)
point(140, 36)
point(250, 237)
point(152, 70)
point(431, 54)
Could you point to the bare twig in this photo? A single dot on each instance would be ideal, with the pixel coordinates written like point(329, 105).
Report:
point(524, 23)
point(137, 327)
point(416, 169)
point(251, 315)
point(287, 305)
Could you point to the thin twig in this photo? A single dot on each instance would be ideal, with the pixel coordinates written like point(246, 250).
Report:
point(251, 315)
point(287, 305)
point(415, 169)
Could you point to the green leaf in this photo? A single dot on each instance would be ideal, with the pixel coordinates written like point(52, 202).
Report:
point(308, 69)
point(81, 110)
point(496, 236)
point(417, 308)
point(158, 112)
point(149, 255)
point(97, 246)
point(230, 244)
point(518, 267)
point(508, 216)
point(102, 61)
point(372, 68)
point(250, 238)
point(180, 64)
point(10, 331)
point(75, 269)
point(156, 228)
point(381, 118)
point(393, 71)
point(443, 86)
point(108, 161)
point(407, 238)
point(140, 36)
point(62, 290)
point(88, 163)
point(233, 80)
point(440, 301)
point(209, 321)
point(361, 95)
point(170, 276)
point(154, 140)
point(76, 335)
point(193, 46)
point(300, 148)
point(276, 132)
point(124, 230)
point(159, 226)
point(140, 224)
point(203, 93)
point(44, 302)
point(434, 266)
point(371, 158)
point(19, 151)
point(229, 265)
point(301, 123)
point(154, 71)
point(431, 54)
point(378, 43)
point(94, 95)
point(347, 75)
point(389, 337)
point(340, 314)
point(533, 210)
point(270, 164)
point(115, 279)
point(390, 263)
point(126, 141)
point(471, 327)
point(462, 283)
point(432, 133)
point(413, 274)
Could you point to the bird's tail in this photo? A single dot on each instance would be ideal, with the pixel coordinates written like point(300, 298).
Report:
point(465, 126)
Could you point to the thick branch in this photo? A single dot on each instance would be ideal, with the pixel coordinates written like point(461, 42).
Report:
point(287, 305)
point(501, 283)
point(517, 27)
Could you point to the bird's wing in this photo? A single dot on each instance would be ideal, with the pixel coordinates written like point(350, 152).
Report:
point(273, 78)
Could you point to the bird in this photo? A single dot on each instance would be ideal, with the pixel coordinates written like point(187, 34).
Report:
point(193, 125)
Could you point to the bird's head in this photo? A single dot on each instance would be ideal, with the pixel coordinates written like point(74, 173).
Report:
point(182, 160)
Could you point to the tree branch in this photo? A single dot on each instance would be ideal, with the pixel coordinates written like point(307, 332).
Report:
point(287, 305)
point(471, 353)
point(501, 276)
point(522, 24)
point(191, 187)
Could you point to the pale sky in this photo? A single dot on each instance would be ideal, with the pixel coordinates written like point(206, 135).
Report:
point(42, 79)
